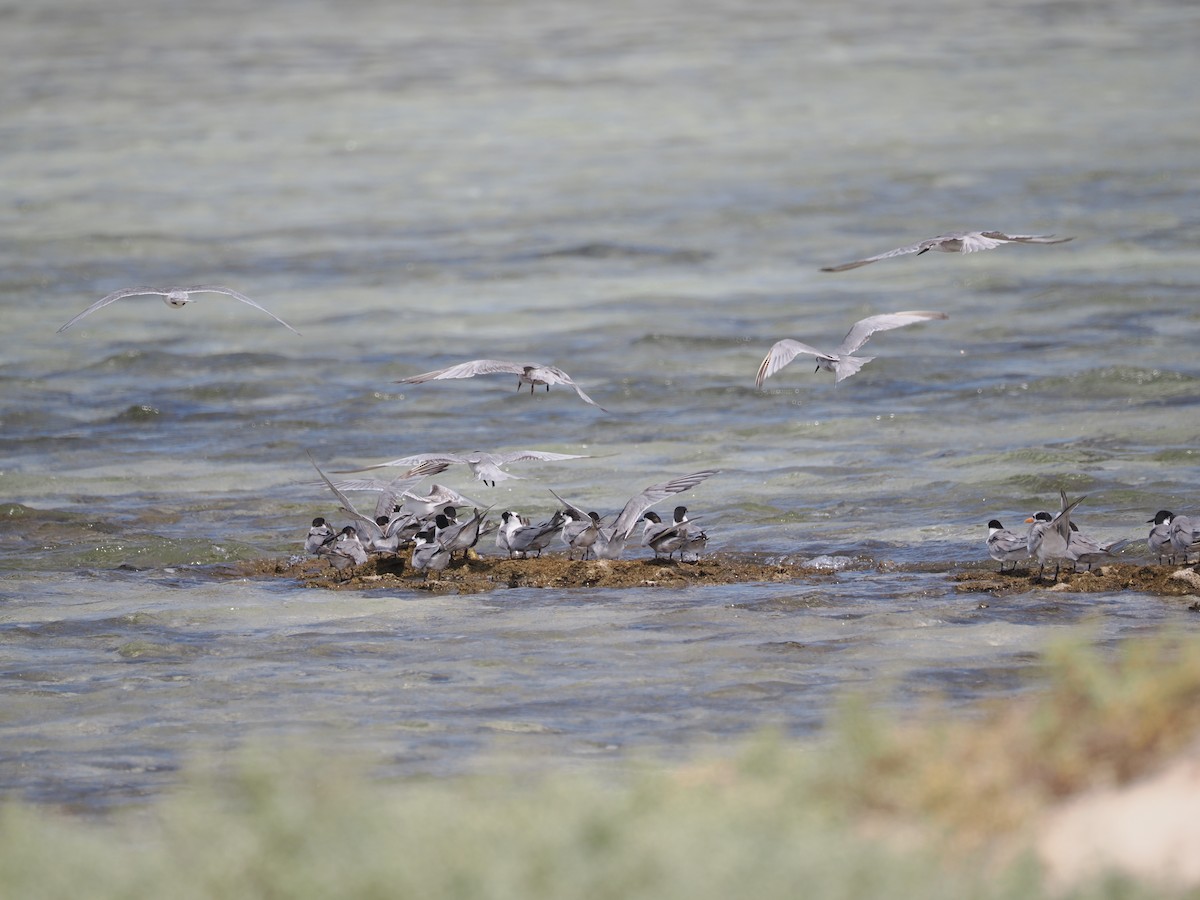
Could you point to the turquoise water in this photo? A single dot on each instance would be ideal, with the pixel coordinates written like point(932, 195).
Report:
point(644, 198)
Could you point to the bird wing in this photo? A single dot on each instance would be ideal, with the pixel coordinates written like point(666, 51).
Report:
point(236, 295)
point(899, 251)
point(555, 375)
point(501, 459)
point(575, 510)
point(467, 370)
point(782, 353)
point(1025, 238)
point(656, 493)
point(372, 528)
point(419, 460)
point(109, 299)
point(864, 328)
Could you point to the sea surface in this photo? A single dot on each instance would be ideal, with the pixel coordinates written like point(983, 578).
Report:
point(641, 193)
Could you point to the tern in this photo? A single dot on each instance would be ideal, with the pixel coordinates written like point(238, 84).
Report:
point(955, 242)
point(384, 530)
point(319, 535)
point(1006, 546)
point(486, 467)
point(346, 551)
point(1159, 539)
point(531, 374)
point(666, 537)
point(579, 533)
point(1049, 536)
point(610, 543)
point(1083, 548)
point(175, 297)
point(429, 554)
point(840, 361)
point(1185, 536)
point(438, 498)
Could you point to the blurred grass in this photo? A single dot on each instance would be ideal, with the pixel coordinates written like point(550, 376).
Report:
point(876, 809)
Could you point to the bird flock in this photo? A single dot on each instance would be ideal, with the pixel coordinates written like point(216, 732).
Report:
point(429, 524)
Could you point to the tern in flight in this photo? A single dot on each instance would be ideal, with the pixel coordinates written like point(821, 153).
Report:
point(175, 297)
point(955, 242)
point(840, 361)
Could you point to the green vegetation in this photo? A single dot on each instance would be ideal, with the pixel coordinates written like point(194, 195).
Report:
point(938, 807)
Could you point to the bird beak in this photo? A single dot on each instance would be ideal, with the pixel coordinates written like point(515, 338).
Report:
point(1030, 519)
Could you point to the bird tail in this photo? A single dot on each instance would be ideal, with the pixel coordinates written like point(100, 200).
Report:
point(848, 365)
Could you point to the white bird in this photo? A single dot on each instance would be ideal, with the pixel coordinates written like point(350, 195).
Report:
point(955, 242)
point(1006, 546)
point(1049, 536)
point(319, 535)
point(438, 498)
point(531, 374)
point(509, 523)
point(840, 362)
point(175, 297)
point(486, 467)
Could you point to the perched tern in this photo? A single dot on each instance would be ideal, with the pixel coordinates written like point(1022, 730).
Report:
point(611, 542)
point(580, 531)
point(666, 537)
point(1083, 548)
point(1185, 536)
point(175, 297)
point(346, 551)
point(486, 467)
point(1159, 539)
point(459, 535)
point(319, 535)
point(526, 539)
point(384, 530)
point(840, 362)
point(1006, 546)
point(429, 554)
point(531, 374)
point(955, 242)
point(1049, 536)
point(509, 523)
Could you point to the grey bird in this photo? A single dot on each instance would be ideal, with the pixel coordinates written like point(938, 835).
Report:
point(385, 530)
point(1185, 536)
point(611, 542)
point(531, 374)
point(346, 551)
point(460, 535)
point(580, 531)
point(1006, 546)
point(666, 537)
point(429, 554)
point(1082, 548)
point(1159, 539)
point(526, 539)
point(1049, 536)
point(319, 534)
point(955, 242)
point(175, 297)
point(840, 361)
point(486, 467)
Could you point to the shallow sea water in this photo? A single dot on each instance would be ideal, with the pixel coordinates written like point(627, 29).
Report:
point(642, 197)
